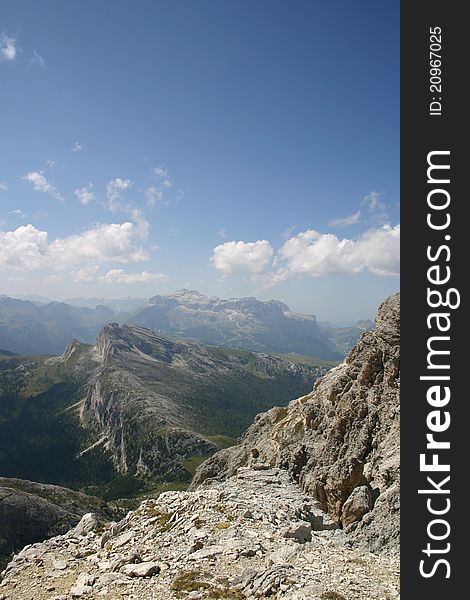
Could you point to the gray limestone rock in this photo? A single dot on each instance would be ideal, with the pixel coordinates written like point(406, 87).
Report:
point(89, 522)
point(239, 558)
point(357, 505)
point(31, 512)
point(341, 436)
point(300, 532)
point(143, 569)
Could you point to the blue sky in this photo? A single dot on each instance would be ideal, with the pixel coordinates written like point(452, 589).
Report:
point(245, 147)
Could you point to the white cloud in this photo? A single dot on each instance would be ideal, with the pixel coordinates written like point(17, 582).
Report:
point(103, 243)
point(18, 212)
point(161, 171)
point(3, 185)
point(120, 276)
point(52, 279)
point(86, 274)
point(28, 249)
point(222, 233)
point(287, 233)
point(373, 211)
point(153, 196)
point(8, 50)
point(76, 147)
point(114, 188)
point(346, 221)
point(25, 248)
point(315, 254)
point(37, 59)
point(51, 163)
point(40, 184)
point(142, 226)
point(251, 257)
point(85, 194)
point(377, 209)
point(372, 201)
point(379, 250)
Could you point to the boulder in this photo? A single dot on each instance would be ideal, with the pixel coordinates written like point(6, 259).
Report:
point(357, 505)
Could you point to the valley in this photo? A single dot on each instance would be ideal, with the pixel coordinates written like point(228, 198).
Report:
point(136, 411)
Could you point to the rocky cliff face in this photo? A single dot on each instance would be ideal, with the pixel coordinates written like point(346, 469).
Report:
point(254, 535)
point(30, 512)
point(155, 402)
point(341, 441)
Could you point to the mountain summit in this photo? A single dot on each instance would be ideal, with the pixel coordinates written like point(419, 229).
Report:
point(135, 405)
point(155, 401)
point(45, 328)
point(237, 322)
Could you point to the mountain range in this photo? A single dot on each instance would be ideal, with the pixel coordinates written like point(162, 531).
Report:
point(28, 327)
point(133, 407)
point(304, 507)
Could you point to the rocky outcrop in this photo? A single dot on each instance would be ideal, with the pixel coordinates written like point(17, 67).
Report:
point(31, 512)
point(254, 535)
point(345, 338)
point(341, 441)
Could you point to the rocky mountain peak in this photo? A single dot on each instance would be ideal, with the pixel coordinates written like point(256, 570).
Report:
point(184, 292)
point(155, 401)
point(71, 348)
point(387, 322)
point(115, 339)
point(364, 324)
point(110, 340)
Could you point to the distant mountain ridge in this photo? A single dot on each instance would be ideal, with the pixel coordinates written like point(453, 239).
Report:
point(28, 327)
point(236, 322)
point(118, 305)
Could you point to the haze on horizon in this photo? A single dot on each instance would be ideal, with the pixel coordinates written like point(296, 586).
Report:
point(239, 149)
